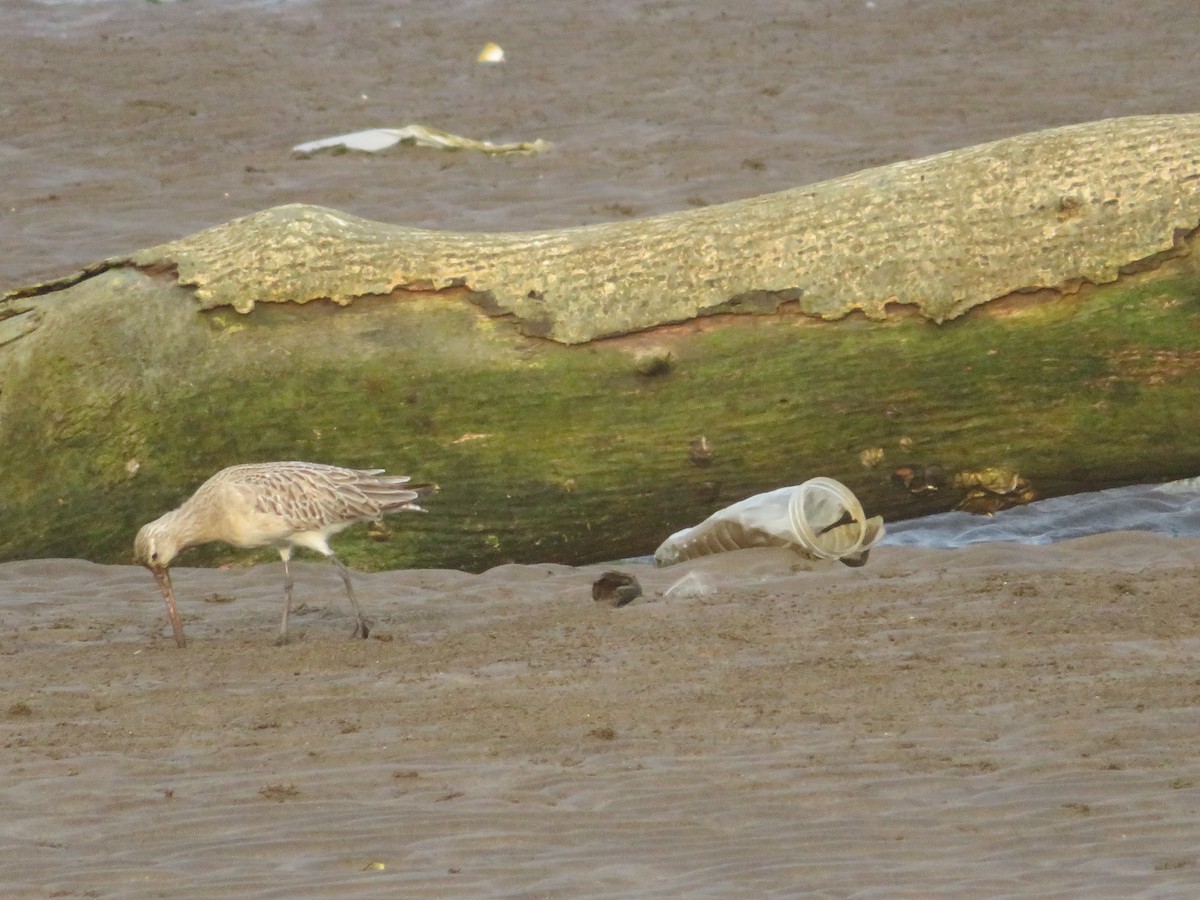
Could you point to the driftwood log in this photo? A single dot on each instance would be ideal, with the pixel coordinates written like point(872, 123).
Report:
point(1011, 320)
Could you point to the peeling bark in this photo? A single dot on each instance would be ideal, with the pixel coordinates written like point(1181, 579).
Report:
point(1054, 208)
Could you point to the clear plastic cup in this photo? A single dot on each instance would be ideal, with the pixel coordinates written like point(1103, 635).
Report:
point(819, 519)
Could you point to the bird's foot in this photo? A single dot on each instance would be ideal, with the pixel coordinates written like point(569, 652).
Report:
point(360, 631)
point(282, 640)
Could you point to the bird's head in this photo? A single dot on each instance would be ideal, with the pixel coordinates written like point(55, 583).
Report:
point(155, 546)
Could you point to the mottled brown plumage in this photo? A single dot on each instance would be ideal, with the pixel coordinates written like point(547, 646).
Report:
point(280, 504)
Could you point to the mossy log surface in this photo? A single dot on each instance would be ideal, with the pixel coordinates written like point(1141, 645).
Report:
point(1016, 319)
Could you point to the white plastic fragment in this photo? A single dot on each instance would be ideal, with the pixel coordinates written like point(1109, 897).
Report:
point(693, 584)
point(377, 139)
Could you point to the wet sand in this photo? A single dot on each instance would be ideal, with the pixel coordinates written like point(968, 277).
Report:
point(999, 720)
point(1002, 720)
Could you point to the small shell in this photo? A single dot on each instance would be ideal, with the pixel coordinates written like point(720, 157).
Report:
point(616, 589)
point(491, 53)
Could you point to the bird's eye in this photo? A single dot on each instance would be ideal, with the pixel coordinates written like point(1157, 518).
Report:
point(154, 556)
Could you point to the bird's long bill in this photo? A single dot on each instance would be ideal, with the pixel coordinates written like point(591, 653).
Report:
point(163, 577)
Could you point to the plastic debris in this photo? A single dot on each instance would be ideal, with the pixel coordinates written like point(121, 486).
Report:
point(377, 139)
point(693, 584)
point(819, 519)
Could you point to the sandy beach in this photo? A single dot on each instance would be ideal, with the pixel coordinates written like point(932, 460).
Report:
point(998, 720)
point(1002, 720)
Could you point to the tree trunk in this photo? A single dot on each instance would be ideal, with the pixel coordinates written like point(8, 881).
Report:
point(1011, 320)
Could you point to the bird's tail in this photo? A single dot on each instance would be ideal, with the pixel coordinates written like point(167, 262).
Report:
point(420, 492)
point(393, 492)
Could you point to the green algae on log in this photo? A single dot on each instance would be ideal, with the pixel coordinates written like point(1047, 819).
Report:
point(123, 387)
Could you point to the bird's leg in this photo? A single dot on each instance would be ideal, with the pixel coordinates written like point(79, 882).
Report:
point(286, 553)
point(360, 628)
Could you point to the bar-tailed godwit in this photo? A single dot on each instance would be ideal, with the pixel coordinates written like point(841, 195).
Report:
point(280, 504)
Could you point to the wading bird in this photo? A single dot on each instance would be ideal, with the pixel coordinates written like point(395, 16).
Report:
point(279, 504)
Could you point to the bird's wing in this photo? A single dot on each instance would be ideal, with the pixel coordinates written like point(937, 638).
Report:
point(306, 495)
